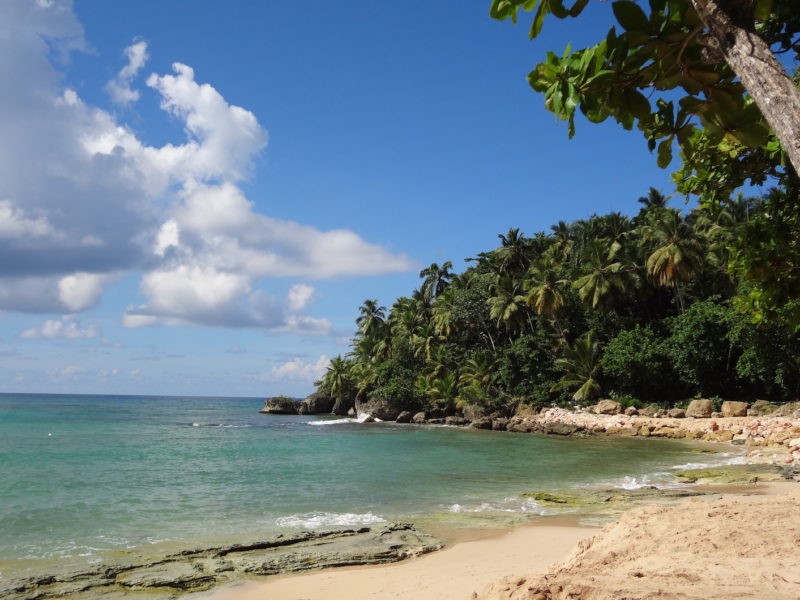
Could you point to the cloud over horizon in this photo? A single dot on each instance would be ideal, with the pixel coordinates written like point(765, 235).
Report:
point(83, 201)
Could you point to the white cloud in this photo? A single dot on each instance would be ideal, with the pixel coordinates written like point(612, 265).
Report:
point(70, 372)
point(53, 329)
point(300, 295)
point(84, 201)
point(298, 370)
point(120, 87)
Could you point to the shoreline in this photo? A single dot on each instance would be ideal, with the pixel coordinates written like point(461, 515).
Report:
point(494, 567)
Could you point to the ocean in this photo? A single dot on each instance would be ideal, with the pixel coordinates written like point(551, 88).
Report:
point(81, 476)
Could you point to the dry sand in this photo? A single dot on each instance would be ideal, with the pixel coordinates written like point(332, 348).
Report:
point(730, 547)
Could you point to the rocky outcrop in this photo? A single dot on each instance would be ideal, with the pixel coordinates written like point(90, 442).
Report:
point(343, 406)
point(608, 407)
point(138, 573)
point(404, 417)
point(734, 409)
point(379, 409)
point(419, 418)
point(700, 408)
point(280, 405)
point(315, 404)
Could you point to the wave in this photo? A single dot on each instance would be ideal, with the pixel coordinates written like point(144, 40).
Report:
point(735, 460)
point(223, 425)
point(359, 419)
point(507, 505)
point(316, 520)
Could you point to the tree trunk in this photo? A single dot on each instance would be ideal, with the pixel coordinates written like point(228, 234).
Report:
point(756, 66)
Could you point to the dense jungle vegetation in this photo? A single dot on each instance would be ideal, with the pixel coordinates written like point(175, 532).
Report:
point(642, 308)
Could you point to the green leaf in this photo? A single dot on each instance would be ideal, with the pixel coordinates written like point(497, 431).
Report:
point(630, 16)
point(538, 19)
point(763, 9)
point(637, 104)
point(753, 135)
point(665, 153)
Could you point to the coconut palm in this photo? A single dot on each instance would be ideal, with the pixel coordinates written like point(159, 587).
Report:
point(424, 340)
point(371, 318)
point(442, 313)
point(337, 381)
point(678, 253)
point(442, 392)
point(479, 371)
point(581, 366)
point(607, 277)
point(436, 278)
point(512, 255)
point(507, 306)
point(544, 289)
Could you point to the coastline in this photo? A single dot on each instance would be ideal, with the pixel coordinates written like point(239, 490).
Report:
point(499, 567)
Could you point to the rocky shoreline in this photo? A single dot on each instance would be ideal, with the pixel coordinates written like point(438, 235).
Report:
point(147, 574)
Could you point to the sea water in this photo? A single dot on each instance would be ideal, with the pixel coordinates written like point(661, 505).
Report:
point(85, 475)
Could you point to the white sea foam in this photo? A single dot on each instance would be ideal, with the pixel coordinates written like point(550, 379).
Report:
point(316, 520)
point(507, 505)
point(730, 460)
point(359, 419)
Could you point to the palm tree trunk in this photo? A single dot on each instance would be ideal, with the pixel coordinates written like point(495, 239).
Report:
point(730, 23)
point(679, 296)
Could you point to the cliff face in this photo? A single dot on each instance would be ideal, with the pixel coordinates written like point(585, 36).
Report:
point(279, 405)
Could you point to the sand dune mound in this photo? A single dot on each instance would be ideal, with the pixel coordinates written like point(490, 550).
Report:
point(705, 550)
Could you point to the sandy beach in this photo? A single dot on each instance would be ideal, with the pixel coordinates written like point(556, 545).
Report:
point(739, 544)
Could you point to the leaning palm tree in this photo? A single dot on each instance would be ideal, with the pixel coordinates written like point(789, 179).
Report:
point(336, 381)
point(544, 289)
point(581, 367)
point(678, 253)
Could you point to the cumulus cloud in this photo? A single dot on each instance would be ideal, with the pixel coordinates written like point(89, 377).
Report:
point(64, 330)
point(83, 200)
point(298, 370)
point(120, 87)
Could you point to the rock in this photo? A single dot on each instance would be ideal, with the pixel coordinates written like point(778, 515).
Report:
point(460, 421)
point(676, 413)
point(369, 419)
point(762, 407)
point(631, 411)
point(561, 428)
point(315, 404)
point(628, 431)
point(146, 573)
point(648, 411)
point(608, 407)
point(700, 408)
point(499, 424)
point(351, 412)
point(613, 498)
point(790, 409)
point(660, 413)
point(482, 423)
point(438, 421)
point(471, 412)
point(644, 431)
point(734, 409)
point(419, 418)
point(405, 417)
point(521, 427)
point(379, 409)
point(731, 474)
point(525, 410)
point(280, 405)
point(716, 415)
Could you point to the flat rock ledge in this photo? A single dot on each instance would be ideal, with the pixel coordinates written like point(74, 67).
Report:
point(136, 574)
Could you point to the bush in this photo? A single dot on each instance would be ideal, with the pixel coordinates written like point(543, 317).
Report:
point(635, 365)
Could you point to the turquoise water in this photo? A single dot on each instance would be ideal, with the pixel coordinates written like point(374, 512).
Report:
point(82, 475)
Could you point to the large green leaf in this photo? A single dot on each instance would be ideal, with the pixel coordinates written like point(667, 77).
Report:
point(630, 16)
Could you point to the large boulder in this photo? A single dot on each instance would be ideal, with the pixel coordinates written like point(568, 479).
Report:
point(676, 413)
point(280, 405)
point(734, 409)
point(404, 417)
point(700, 408)
point(419, 418)
point(342, 406)
point(316, 403)
point(762, 407)
point(379, 409)
point(608, 407)
point(648, 411)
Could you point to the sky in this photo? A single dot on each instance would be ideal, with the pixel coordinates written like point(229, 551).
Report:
point(196, 197)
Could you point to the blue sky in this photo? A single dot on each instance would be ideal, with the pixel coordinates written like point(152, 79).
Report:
point(196, 197)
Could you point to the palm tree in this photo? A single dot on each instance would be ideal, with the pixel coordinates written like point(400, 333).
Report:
point(678, 253)
point(607, 277)
point(479, 371)
point(371, 319)
point(543, 288)
point(424, 340)
point(442, 312)
point(581, 367)
point(436, 278)
point(442, 392)
point(512, 254)
point(336, 381)
point(507, 306)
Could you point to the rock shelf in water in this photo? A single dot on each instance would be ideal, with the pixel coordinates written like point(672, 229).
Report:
point(147, 575)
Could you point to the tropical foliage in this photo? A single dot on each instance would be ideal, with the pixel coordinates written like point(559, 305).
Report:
point(647, 307)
